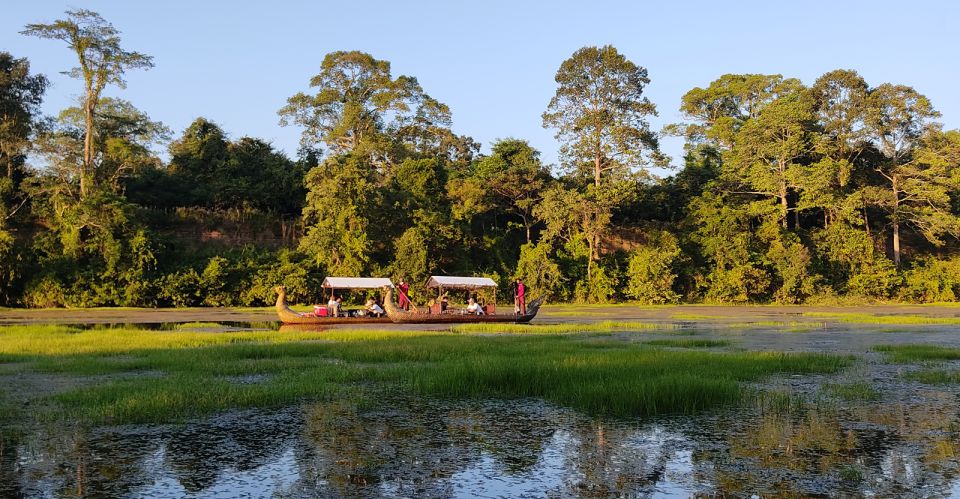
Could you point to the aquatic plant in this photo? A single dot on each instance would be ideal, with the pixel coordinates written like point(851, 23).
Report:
point(172, 375)
point(918, 353)
point(689, 343)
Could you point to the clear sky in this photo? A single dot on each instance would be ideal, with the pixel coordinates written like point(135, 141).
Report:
point(492, 62)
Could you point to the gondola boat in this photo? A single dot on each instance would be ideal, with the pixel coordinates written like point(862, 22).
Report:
point(435, 315)
point(290, 316)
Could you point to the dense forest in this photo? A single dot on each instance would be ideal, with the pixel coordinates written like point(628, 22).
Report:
point(840, 190)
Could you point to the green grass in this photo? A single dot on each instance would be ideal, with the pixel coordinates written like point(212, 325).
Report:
point(173, 375)
point(918, 353)
point(934, 376)
point(694, 317)
point(591, 327)
point(858, 391)
point(689, 343)
point(863, 318)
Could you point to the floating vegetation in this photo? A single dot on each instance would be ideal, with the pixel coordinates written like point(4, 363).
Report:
point(864, 318)
point(934, 376)
point(918, 353)
point(689, 343)
point(170, 376)
point(858, 391)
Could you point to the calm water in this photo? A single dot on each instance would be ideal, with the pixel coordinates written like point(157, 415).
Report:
point(501, 449)
point(905, 444)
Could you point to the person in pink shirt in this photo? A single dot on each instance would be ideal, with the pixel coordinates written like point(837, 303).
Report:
point(404, 300)
point(520, 298)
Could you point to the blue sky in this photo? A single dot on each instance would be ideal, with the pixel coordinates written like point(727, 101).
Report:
point(492, 62)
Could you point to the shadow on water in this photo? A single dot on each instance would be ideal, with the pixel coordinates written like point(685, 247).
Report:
point(422, 448)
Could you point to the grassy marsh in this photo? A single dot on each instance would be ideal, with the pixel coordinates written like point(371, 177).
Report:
point(857, 391)
point(689, 343)
point(934, 376)
point(157, 376)
point(592, 327)
point(899, 319)
point(918, 353)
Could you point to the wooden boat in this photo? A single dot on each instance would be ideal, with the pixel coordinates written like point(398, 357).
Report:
point(290, 316)
point(428, 316)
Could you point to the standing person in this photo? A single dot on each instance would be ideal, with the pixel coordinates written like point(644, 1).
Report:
point(520, 296)
point(333, 306)
point(403, 287)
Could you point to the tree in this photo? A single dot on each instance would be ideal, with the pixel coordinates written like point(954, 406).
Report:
point(101, 61)
point(359, 107)
point(769, 148)
point(600, 113)
point(126, 136)
point(20, 96)
point(337, 215)
point(919, 193)
point(839, 98)
point(897, 116)
point(719, 110)
point(515, 178)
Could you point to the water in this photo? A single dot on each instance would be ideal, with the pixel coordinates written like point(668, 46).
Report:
point(521, 448)
point(905, 444)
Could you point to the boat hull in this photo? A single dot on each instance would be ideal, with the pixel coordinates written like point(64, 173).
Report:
point(290, 316)
point(400, 316)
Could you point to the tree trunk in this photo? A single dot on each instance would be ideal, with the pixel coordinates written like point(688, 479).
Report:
point(784, 207)
point(87, 145)
point(896, 243)
point(896, 222)
point(597, 162)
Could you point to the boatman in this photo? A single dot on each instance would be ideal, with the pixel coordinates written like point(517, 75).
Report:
point(520, 298)
point(403, 287)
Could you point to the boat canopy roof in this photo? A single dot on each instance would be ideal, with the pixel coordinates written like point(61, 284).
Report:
point(356, 282)
point(456, 282)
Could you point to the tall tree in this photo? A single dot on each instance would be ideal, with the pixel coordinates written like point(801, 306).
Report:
point(600, 113)
point(719, 110)
point(360, 107)
point(20, 96)
point(919, 191)
point(102, 62)
point(897, 116)
point(769, 149)
point(839, 98)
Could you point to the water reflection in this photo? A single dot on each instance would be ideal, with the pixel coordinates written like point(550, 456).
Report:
point(512, 448)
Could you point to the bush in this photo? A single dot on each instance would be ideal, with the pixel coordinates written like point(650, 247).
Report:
point(539, 271)
point(650, 274)
point(932, 280)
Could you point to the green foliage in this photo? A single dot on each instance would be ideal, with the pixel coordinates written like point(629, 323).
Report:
point(600, 113)
point(651, 272)
point(787, 193)
point(791, 261)
point(539, 270)
point(931, 280)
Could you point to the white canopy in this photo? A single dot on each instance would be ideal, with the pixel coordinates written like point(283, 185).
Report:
point(356, 282)
point(455, 282)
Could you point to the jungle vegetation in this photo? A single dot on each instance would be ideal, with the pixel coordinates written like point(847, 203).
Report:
point(787, 192)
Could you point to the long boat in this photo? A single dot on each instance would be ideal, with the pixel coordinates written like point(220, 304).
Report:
point(432, 315)
point(290, 316)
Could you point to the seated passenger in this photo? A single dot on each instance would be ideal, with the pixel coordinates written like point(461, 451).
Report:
point(373, 308)
point(473, 307)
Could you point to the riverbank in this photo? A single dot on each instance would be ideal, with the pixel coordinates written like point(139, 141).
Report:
point(550, 313)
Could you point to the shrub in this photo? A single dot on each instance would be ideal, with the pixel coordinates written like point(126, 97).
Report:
point(650, 274)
